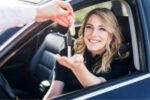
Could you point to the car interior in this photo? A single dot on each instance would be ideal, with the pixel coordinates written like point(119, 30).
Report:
point(30, 71)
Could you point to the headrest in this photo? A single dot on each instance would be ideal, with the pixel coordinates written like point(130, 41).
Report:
point(125, 29)
point(54, 43)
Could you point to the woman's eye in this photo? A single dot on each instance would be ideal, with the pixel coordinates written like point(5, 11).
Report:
point(102, 29)
point(88, 27)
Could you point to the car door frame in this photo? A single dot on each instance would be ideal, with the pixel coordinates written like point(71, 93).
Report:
point(129, 86)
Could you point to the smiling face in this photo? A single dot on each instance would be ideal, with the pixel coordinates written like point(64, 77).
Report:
point(100, 34)
point(95, 35)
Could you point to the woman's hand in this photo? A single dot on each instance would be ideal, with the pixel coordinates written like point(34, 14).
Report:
point(73, 63)
point(76, 64)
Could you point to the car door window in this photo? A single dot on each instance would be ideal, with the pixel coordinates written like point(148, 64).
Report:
point(6, 34)
point(122, 13)
point(80, 14)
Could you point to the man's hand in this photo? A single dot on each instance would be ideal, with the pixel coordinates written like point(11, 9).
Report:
point(57, 11)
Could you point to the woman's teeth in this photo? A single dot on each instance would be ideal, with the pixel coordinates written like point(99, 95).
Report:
point(94, 41)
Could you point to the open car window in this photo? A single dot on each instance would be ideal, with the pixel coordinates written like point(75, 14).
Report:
point(125, 19)
point(122, 11)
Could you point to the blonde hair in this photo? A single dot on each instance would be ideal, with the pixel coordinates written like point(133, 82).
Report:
point(114, 41)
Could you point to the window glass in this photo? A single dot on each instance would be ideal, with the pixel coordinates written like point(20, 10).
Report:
point(113, 5)
point(7, 34)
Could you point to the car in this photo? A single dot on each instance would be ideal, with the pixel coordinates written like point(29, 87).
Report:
point(27, 52)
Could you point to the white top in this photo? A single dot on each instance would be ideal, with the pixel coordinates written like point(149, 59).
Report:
point(13, 15)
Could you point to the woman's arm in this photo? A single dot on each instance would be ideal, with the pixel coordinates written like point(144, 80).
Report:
point(85, 77)
point(55, 90)
point(76, 64)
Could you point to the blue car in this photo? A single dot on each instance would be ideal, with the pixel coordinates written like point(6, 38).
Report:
point(27, 52)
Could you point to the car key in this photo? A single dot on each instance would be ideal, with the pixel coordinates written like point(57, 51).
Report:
point(69, 43)
point(71, 32)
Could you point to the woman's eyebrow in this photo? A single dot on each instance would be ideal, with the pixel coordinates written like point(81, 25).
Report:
point(89, 24)
point(93, 25)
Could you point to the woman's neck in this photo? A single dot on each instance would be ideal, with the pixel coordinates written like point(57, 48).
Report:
point(98, 52)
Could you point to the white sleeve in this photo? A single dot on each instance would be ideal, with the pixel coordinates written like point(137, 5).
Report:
point(12, 15)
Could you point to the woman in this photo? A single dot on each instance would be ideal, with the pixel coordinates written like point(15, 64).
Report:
point(98, 42)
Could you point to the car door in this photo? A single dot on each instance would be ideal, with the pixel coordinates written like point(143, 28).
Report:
point(136, 84)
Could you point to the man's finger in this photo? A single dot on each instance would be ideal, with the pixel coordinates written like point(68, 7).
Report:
point(65, 5)
point(61, 22)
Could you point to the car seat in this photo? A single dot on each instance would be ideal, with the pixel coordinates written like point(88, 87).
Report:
point(43, 63)
point(127, 44)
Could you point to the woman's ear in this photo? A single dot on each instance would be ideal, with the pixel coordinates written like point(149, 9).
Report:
point(112, 41)
point(109, 42)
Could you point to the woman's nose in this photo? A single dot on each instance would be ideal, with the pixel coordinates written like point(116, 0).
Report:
point(95, 32)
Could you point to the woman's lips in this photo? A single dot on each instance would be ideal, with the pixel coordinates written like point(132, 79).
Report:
point(94, 41)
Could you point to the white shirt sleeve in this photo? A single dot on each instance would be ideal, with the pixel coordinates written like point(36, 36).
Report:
point(12, 15)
